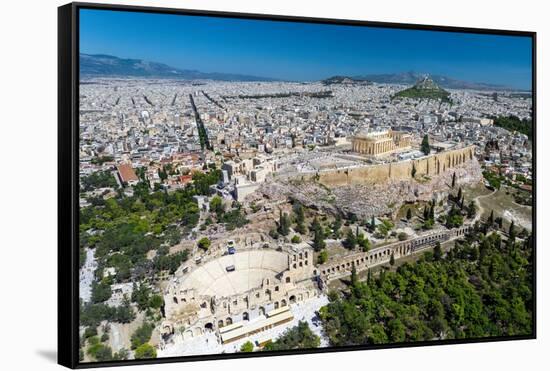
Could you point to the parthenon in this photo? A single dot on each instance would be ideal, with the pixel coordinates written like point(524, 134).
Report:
point(380, 142)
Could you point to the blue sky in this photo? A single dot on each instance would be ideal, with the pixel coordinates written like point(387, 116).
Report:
point(302, 51)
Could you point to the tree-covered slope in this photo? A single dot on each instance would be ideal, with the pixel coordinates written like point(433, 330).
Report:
point(478, 290)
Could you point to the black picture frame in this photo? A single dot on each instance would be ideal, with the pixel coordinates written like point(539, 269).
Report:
point(68, 179)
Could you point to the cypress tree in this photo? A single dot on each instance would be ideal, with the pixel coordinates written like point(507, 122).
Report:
point(425, 146)
point(284, 223)
point(437, 251)
point(354, 279)
point(351, 241)
point(511, 231)
point(318, 240)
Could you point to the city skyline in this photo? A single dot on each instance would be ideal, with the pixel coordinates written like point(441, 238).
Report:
point(293, 51)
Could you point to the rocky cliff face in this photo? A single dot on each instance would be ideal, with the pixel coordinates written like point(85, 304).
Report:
point(366, 200)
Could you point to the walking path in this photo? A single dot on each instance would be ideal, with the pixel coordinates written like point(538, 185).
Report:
point(87, 276)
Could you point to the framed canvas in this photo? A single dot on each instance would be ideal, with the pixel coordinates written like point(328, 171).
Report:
point(243, 185)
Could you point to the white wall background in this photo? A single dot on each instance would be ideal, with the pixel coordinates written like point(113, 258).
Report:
point(28, 57)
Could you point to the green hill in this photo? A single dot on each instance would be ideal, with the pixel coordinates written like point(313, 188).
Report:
point(425, 88)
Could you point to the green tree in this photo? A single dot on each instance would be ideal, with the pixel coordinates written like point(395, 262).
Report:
point(100, 352)
point(384, 228)
point(121, 355)
point(409, 214)
point(156, 301)
point(453, 182)
point(247, 347)
point(315, 225)
point(351, 241)
point(145, 351)
point(453, 298)
point(298, 337)
point(234, 219)
point(284, 224)
point(204, 243)
point(124, 313)
point(100, 291)
point(142, 335)
point(392, 260)
point(472, 209)
point(98, 179)
point(354, 278)
point(397, 331)
point(454, 218)
point(299, 217)
point(89, 332)
point(216, 205)
point(425, 145)
point(514, 123)
point(162, 174)
point(323, 256)
point(512, 231)
point(295, 239)
point(438, 253)
point(498, 221)
point(318, 240)
point(428, 224)
point(336, 226)
point(363, 242)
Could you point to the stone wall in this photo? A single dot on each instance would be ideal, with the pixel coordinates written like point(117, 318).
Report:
point(382, 255)
point(374, 174)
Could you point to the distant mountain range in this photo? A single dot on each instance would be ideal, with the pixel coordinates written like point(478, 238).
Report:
point(101, 65)
point(345, 80)
point(97, 65)
point(411, 77)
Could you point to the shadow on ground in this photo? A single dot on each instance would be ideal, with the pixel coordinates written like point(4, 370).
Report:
point(50, 355)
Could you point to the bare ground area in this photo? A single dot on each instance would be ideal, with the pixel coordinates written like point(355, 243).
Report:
point(120, 333)
point(502, 203)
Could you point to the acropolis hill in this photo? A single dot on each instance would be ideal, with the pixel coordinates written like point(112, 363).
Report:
point(346, 183)
point(429, 165)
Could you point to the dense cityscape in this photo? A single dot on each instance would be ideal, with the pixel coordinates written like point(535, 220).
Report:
point(194, 194)
point(285, 185)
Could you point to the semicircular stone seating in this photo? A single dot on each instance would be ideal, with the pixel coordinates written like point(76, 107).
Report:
point(251, 267)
